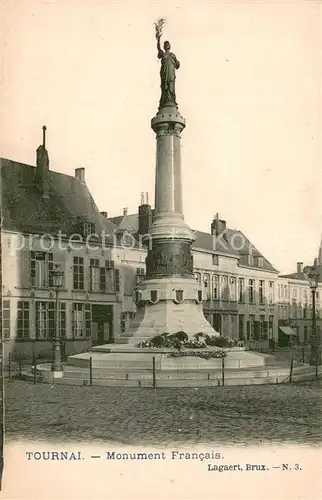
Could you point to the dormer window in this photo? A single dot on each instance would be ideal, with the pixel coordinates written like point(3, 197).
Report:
point(258, 261)
point(88, 228)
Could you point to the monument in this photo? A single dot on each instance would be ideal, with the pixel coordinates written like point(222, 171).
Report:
point(169, 299)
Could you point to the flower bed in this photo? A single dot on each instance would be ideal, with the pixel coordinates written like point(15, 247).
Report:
point(180, 340)
point(214, 353)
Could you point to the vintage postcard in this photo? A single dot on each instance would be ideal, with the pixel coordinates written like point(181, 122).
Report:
point(161, 252)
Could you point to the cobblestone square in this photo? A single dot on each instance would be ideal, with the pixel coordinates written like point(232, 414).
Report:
point(285, 413)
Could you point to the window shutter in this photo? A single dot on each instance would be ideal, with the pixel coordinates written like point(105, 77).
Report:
point(248, 330)
point(102, 280)
point(117, 280)
point(24, 261)
point(60, 260)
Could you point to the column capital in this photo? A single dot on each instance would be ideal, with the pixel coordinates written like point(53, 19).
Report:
point(168, 121)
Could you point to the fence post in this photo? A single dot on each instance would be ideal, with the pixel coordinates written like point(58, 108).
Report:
point(34, 361)
point(303, 354)
point(153, 373)
point(90, 371)
point(9, 365)
point(291, 369)
point(223, 370)
point(20, 368)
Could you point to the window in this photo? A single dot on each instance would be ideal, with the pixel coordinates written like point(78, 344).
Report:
point(271, 292)
point(46, 320)
point(294, 293)
point(206, 286)
point(285, 292)
point(6, 319)
point(42, 320)
point(225, 288)
point(270, 326)
point(140, 273)
point(41, 267)
point(198, 278)
point(263, 328)
point(109, 278)
point(81, 320)
point(215, 260)
point(52, 319)
point(241, 288)
point(233, 289)
point(261, 291)
point(78, 270)
point(305, 296)
point(251, 327)
point(95, 275)
point(251, 291)
point(241, 319)
point(22, 319)
point(305, 335)
point(88, 229)
point(123, 321)
point(215, 287)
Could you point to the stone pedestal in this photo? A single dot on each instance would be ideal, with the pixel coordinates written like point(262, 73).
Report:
point(166, 305)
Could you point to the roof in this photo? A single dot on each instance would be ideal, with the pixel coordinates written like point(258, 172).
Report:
point(230, 242)
point(287, 330)
point(25, 210)
point(295, 276)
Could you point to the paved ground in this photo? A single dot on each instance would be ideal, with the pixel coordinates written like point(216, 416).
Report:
point(247, 414)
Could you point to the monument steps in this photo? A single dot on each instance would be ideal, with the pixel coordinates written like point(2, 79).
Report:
point(175, 379)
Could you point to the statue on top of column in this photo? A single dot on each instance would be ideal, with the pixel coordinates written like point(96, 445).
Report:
point(169, 65)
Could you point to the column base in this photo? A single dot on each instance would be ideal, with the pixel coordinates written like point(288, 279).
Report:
point(167, 305)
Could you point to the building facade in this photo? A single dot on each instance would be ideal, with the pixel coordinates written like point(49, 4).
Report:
point(51, 219)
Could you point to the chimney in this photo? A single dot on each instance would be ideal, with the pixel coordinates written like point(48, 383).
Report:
point(217, 226)
point(104, 214)
point(145, 215)
point(299, 268)
point(80, 174)
point(125, 211)
point(42, 162)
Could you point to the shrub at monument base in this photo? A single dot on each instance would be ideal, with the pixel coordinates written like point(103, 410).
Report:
point(218, 353)
point(181, 340)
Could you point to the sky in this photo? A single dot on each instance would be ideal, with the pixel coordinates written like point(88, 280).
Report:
point(249, 87)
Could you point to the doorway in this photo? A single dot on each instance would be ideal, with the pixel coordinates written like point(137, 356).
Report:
point(102, 324)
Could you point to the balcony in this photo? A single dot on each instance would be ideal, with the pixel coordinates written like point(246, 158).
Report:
point(220, 305)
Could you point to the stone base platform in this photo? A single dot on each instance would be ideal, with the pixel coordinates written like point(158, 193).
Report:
point(116, 365)
point(134, 358)
point(203, 377)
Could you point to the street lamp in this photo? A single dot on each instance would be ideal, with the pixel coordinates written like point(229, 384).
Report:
point(313, 277)
point(56, 366)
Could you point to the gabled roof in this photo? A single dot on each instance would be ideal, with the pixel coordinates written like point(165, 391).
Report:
point(231, 242)
point(25, 210)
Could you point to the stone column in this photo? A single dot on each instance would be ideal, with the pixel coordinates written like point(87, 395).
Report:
point(170, 246)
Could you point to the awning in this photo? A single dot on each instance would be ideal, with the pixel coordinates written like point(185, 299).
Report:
point(287, 330)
